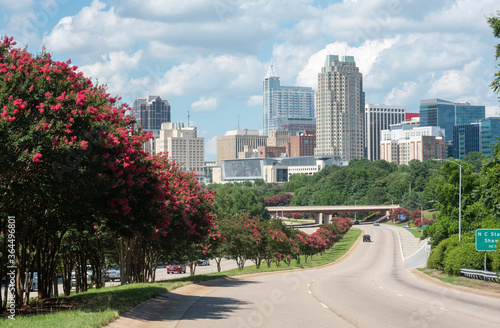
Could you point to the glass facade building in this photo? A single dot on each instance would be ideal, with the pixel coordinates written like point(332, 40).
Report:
point(445, 114)
point(150, 112)
point(466, 138)
point(290, 108)
point(489, 130)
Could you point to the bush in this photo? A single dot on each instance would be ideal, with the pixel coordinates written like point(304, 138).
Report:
point(437, 256)
point(463, 256)
point(495, 256)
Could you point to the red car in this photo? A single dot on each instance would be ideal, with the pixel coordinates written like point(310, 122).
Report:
point(176, 267)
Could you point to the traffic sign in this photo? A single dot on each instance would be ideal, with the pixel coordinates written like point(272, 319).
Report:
point(487, 239)
point(427, 248)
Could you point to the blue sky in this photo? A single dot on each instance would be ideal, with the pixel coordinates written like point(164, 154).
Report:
point(209, 56)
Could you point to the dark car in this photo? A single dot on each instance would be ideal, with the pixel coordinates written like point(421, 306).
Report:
point(176, 267)
point(367, 238)
point(356, 222)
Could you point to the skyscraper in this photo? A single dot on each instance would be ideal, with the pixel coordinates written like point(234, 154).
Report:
point(490, 130)
point(150, 112)
point(445, 114)
point(340, 109)
point(378, 118)
point(290, 108)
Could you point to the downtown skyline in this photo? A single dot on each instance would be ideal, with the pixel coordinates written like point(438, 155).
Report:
point(210, 57)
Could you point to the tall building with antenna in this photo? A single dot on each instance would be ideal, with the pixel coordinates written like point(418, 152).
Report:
point(289, 108)
point(340, 109)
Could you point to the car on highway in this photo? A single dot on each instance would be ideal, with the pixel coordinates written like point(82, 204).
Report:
point(406, 226)
point(367, 238)
point(356, 222)
point(176, 267)
point(376, 224)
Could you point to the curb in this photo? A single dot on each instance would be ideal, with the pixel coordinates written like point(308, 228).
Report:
point(419, 274)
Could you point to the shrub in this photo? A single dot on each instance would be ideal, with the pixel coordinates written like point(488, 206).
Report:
point(437, 256)
point(463, 256)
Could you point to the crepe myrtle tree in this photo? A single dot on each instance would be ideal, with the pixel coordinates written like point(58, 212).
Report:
point(71, 158)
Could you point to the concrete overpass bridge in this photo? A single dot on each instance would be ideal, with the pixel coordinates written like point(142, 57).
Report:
point(325, 213)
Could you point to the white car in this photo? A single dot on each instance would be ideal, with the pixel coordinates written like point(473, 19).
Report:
point(376, 224)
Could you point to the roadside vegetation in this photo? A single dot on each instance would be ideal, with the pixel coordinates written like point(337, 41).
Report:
point(97, 307)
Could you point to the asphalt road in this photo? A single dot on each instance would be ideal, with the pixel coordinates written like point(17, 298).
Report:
point(371, 287)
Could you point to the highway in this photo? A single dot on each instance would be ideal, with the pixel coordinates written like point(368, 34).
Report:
point(371, 287)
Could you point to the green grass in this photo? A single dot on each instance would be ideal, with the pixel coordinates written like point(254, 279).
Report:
point(299, 221)
point(100, 306)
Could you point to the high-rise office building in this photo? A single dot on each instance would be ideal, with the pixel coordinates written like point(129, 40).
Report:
point(490, 130)
point(234, 142)
point(445, 114)
point(290, 108)
point(181, 143)
point(466, 138)
point(340, 109)
point(378, 118)
point(150, 112)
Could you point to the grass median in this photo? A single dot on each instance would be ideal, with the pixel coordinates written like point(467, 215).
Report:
point(98, 307)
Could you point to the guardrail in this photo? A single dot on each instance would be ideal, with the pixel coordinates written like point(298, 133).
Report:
point(480, 274)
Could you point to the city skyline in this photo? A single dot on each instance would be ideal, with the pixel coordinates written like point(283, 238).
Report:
point(210, 57)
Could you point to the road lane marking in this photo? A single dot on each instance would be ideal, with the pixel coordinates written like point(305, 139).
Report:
point(326, 307)
point(416, 251)
point(309, 291)
point(381, 287)
point(399, 295)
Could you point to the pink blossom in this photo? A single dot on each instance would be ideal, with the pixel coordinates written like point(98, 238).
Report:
point(84, 145)
point(37, 157)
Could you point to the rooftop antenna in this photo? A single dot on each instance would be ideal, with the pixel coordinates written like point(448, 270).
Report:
point(189, 116)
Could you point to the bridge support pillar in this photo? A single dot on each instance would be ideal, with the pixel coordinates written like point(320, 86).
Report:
point(328, 218)
point(318, 218)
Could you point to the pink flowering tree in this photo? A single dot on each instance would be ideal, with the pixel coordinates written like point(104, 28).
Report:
point(72, 160)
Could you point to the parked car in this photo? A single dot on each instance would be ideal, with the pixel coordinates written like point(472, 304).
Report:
point(176, 267)
point(367, 238)
point(113, 274)
point(407, 226)
point(376, 224)
point(203, 262)
point(356, 222)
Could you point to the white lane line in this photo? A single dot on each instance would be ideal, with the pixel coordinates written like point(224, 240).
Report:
point(445, 309)
point(417, 251)
point(309, 291)
point(399, 295)
point(381, 287)
point(308, 285)
point(326, 307)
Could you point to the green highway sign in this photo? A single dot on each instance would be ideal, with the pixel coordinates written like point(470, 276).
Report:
point(487, 239)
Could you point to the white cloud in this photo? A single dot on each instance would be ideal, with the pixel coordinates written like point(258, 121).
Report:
point(365, 56)
point(492, 111)
point(256, 100)
point(211, 147)
point(204, 104)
